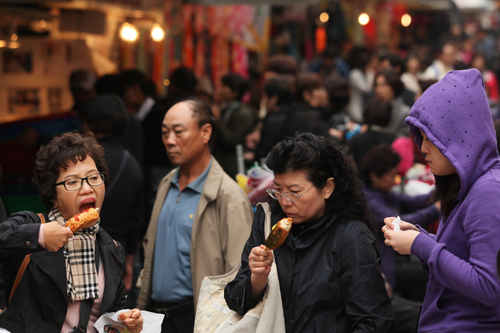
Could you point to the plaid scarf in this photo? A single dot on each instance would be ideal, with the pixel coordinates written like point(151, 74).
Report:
point(81, 274)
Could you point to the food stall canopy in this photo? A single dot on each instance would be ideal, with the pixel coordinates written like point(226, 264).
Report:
point(253, 2)
point(445, 4)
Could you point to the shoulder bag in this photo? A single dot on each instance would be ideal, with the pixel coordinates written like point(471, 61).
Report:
point(23, 266)
point(214, 316)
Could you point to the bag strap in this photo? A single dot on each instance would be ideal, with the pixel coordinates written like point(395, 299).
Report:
point(267, 224)
point(119, 172)
point(24, 264)
point(86, 306)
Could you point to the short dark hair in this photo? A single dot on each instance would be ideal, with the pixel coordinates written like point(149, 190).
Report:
point(320, 158)
point(338, 92)
point(131, 77)
point(203, 114)
point(236, 83)
point(281, 87)
point(105, 114)
point(393, 80)
point(424, 84)
point(395, 61)
point(377, 112)
point(307, 82)
point(183, 79)
point(360, 57)
point(56, 155)
point(283, 64)
point(379, 160)
point(110, 84)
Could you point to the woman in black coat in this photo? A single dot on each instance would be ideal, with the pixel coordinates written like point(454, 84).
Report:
point(328, 267)
point(62, 273)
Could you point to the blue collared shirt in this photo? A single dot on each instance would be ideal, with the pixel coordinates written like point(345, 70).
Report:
point(172, 263)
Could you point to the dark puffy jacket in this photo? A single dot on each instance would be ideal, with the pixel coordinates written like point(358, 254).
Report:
point(40, 301)
point(329, 277)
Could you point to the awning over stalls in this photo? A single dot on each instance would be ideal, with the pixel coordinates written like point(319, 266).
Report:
point(253, 2)
point(445, 4)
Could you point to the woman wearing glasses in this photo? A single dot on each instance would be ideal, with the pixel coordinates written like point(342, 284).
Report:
point(62, 273)
point(328, 267)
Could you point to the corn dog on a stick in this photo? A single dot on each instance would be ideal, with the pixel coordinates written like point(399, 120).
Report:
point(279, 233)
point(80, 220)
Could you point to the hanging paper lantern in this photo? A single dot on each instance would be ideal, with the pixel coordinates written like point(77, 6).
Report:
point(321, 39)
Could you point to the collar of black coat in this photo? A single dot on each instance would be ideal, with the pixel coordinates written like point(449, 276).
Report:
point(305, 234)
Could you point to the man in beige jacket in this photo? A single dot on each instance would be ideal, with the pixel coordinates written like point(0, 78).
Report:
point(200, 221)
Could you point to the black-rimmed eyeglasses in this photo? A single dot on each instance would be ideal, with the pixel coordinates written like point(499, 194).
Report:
point(292, 197)
point(74, 184)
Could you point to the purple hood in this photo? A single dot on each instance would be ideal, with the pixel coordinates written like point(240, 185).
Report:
point(449, 106)
point(463, 293)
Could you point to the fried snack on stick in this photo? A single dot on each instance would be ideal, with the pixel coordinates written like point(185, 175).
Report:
point(279, 233)
point(79, 221)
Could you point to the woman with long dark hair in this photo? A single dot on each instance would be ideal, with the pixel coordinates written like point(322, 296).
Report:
point(328, 267)
point(453, 126)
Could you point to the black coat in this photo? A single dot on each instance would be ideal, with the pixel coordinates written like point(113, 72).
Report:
point(329, 277)
point(40, 301)
point(121, 213)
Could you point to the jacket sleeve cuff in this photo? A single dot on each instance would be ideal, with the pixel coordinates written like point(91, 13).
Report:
point(422, 246)
point(250, 302)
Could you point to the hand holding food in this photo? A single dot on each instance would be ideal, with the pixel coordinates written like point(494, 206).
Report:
point(259, 261)
point(55, 236)
point(278, 233)
point(79, 221)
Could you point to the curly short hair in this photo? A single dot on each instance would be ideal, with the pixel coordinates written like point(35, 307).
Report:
point(321, 159)
point(57, 154)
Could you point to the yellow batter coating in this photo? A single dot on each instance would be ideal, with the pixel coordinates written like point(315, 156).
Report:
point(78, 221)
point(279, 233)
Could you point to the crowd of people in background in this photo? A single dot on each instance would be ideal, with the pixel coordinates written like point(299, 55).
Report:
point(161, 150)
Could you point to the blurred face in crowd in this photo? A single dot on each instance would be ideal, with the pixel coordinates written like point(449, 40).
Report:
point(383, 89)
point(133, 97)
point(271, 103)
point(312, 202)
point(316, 97)
point(479, 63)
point(413, 65)
point(81, 96)
point(438, 163)
point(71, 203)
point(449, 54)
point(226, 94)
point(385, 182)
point(184, 140)
point(385, 64)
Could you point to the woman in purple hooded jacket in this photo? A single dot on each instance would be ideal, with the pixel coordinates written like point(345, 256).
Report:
point(453, 126)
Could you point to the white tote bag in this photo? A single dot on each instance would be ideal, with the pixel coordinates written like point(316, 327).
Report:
point(214, 316)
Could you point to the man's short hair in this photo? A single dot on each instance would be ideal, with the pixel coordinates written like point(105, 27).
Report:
point(283, 64)
point(237, 83)
point(307, 82)
point(110, 84)
point(281, 87)
point(338, 92)
point(83, 79)
point(132, 77)
point(183, 79)
point(202, 113)
point(105, 114)
point(377, 112)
